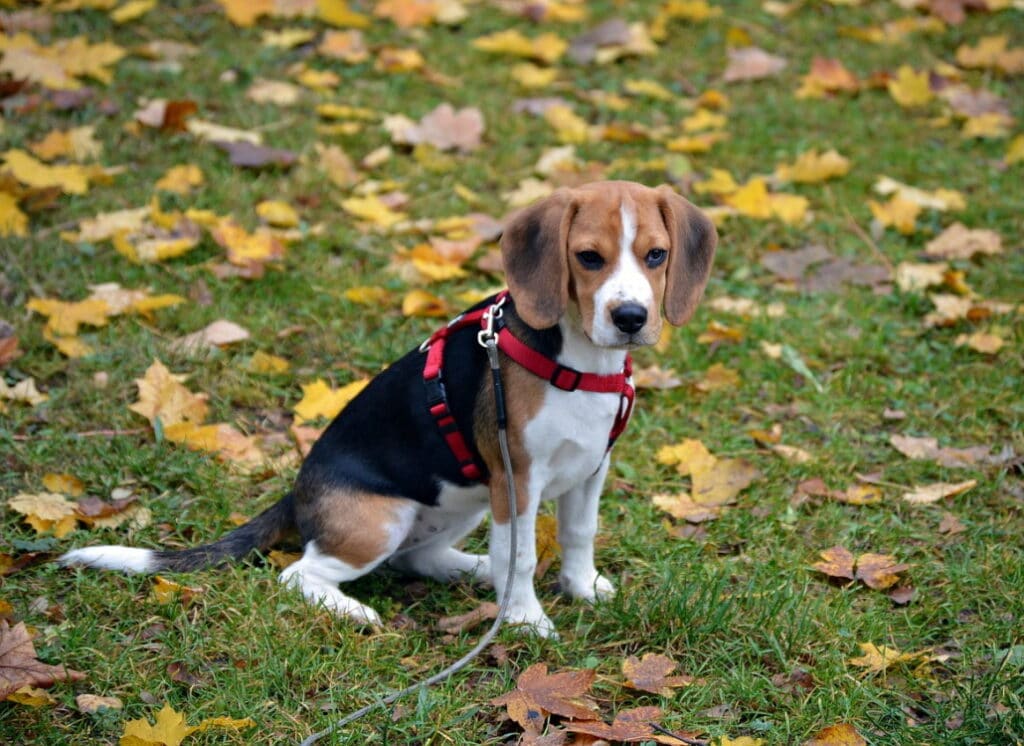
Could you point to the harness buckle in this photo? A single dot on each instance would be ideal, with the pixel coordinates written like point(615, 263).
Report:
point(557, 380)
point(489, 321)
point(435, 391)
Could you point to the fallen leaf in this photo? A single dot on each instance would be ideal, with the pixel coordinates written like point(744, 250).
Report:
point(539, 693)
point(752, 63)
point(547, 48)
point(842, 734)
point(827, 76)
point(651, 673)
point(220, 333)
point(928, 449)
point(939, 490)
point(879, 658)
point(247, 155)
point(46, 512)
point(422, 303)
point(654, 377)
point(181, 179)
point(898, 213)
point(717, 378)
point(960, 242)
point(166, 591)
point(910, 89)
point(811, 168)
point(456, 625)
point(90, 703)
point(320, 400)
point(162, 396)
point(19, 666)
point(67, 484)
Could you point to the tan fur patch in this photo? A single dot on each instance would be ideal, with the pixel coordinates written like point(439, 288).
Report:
point(353, 526)
point(524, 395)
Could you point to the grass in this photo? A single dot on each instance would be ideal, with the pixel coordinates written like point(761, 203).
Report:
point(736, 605)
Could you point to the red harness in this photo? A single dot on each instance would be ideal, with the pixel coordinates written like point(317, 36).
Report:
point(559, 376)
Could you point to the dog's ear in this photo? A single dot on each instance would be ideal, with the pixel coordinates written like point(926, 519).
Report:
point(534, 250)
point(693, 238)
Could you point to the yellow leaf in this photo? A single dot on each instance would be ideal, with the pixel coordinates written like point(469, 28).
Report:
point(910, 89)
point(899, 213)
point(531, 76)
point(77, 143)
point(860, 494)
point(46, 512)
point(368, 295)
point(718, 377)
point(71, 347)
point(878, 658)
point(934, 492)
point(220, 438)
point(181, 179)
point(146, 306)
point(166, 591)
point(66, 484)
point(225, 723)
point(992, 52)
point(1015, 153)
point(347, 46)
point(64, 318)
point(983, 342)
point(701, 143)
point(683, 507)
point(168, 730)
point(568, 125)
point(685, 456)
point(262, 362)
point(72, 179)
point(704, 119)
point(161, 394)
point(422, 303)
point(719, 182)
point(791, 209)
point(131, 10)
point(751, 199)
point(319, 400)
point(547, 47)
point(244, 248)
point(31, 696)
point(337, 13)
point(245, 12)
point(395, 60)
point(741, 741)
point(993, 125)
point(810, 167)
point(373, 210)
point(13, 222)
point(278, 214)
point(649, 88)
point(287, 38)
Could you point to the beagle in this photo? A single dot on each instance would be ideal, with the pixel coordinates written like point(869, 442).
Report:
point(412, 464)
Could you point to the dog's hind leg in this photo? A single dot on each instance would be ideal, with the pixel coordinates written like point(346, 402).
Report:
point(428, 549)
point(349, 535)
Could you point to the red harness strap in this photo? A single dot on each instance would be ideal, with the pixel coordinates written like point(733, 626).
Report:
point(559, 376)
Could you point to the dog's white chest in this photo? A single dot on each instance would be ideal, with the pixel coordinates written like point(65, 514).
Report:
point(568, 439)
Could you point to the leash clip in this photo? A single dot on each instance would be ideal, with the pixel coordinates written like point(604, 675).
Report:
point(486, 337)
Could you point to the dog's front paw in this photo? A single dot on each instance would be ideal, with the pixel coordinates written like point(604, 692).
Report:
point(591, 588)
point(531, 620)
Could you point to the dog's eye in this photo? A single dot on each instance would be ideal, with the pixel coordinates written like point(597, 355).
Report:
point(656, 257)
point(590, 259)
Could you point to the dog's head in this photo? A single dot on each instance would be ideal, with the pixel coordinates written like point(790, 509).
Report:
point(610, 255)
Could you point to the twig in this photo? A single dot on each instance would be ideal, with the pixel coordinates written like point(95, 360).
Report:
point(91, 434)
point(666, 732)
point(870, 242)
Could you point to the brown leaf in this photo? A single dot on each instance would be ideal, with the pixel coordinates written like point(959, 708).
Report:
point(960, 242)
point(539, 693)
point(19, 666)
point(651, 674)
point(838, 563)
point(249, 155)
point(791, 265)
point(879, 571)
point(454, 625)
point(90, 703)
point(448, 129)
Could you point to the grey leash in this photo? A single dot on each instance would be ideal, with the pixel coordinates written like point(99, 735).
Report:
point(489, 341)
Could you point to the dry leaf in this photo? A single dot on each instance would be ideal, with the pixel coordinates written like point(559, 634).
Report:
point(651, 674)
point(539, 693)
point(842, 734)
point(320, 400)
point(90, 703)
point(934, 492)
point(752, 63)
point(46, 512)
point(162, 395)
point(219, 333)
point(19, 666)
point(960, 242)
point(879, 658)
point(456, 625)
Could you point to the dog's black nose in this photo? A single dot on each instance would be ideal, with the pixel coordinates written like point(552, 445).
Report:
point(629, 317)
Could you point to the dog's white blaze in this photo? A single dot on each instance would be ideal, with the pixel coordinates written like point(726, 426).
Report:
point(125, 559)
point(626, 284)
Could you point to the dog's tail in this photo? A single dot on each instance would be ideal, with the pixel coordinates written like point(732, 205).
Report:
point(261, 532)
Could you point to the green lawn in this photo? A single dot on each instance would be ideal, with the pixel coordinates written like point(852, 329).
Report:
point(734, 600)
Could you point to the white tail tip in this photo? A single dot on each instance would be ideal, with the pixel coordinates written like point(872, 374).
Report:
point(125, 559)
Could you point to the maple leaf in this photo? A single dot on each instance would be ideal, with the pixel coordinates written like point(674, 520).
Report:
point(910, 89)
point(992, 52)
point(13, 222)
point(448, 129)
point(46, 512)
point(879, 658)
point(546, 48)
point(67, 484)
point(811, 168)
point(71, 179)
point(320, 400)
point(651, 674)
point(162, 395)
point(842, 734)
point(538, 694)
point(219, 333)
point(960, 242)
point(19, 666)
point(898, 212)
point(827, 76)
point(421, 303)
point(629, 726)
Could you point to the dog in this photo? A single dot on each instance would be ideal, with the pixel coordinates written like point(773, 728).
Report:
point(412, 464)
